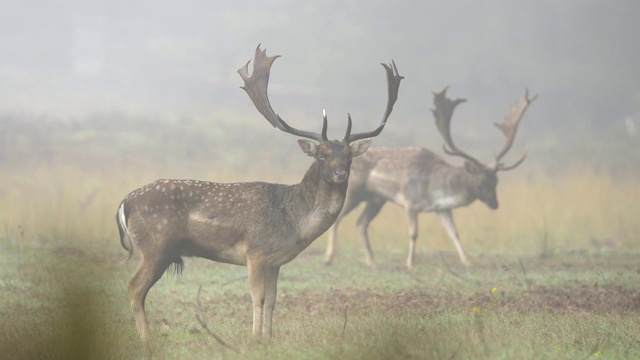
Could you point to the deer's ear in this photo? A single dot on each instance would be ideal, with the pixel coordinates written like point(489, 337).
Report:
point(309, 147)
point(359, 147)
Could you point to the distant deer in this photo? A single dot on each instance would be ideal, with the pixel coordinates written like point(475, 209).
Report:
point(421, 181)
point(256, 224)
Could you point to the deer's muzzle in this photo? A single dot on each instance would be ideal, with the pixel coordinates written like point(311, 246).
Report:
point(340, 175)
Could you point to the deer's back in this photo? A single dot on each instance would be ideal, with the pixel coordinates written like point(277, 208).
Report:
point(401, 175)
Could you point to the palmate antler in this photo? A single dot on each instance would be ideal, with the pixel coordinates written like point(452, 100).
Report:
point(256, 87)
point(443, 112)
point(509, 127)
point(393, 85)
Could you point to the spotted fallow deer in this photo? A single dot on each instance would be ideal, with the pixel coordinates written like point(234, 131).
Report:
point(259, 225)
point(421, 181)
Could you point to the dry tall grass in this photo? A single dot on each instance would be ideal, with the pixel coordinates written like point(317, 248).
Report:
point(57, 201)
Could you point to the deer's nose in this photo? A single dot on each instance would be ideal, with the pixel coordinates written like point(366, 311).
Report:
point(341, 173)
point(493, 204)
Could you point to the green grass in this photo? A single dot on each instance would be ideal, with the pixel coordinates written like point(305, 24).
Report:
point(69, 301)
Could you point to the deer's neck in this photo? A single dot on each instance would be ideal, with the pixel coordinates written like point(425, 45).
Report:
point(447, 187)
point(462, 183)
point(314, 204)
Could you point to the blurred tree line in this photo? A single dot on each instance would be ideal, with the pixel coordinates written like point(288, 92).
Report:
point(117, 64)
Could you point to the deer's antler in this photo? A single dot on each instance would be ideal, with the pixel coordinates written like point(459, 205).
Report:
point(442, 112)
point(256, 87)
point(509, 128)
point(393, 85)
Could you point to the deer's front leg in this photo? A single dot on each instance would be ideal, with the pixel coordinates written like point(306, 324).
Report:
point(270, 299)
point(446, 218)
point(412, 219)
point(257, 283)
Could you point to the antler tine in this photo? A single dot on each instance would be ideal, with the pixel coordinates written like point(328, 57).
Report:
point(443, 112)
point(517, 163)
point(348, 132)
point(393, 85)
point(324, 126)
point(256, 87)
point(509, 128)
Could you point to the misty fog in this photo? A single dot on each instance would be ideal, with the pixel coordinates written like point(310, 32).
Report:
point(167, 60)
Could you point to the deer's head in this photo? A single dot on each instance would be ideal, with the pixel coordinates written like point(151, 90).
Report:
point(484, 183)
point(484, 176)
point(332, 157)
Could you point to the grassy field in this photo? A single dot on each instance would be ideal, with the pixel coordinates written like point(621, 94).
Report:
point(69, 301)
point(556, 273)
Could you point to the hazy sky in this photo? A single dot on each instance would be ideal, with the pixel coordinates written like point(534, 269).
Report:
point(179, 58)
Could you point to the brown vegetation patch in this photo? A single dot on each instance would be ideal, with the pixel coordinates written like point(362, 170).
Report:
point(588, 299)
point(581, 299)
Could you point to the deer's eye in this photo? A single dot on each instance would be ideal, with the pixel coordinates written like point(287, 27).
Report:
point(322, 157)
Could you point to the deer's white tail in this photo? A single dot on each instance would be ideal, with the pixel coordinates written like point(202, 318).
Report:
point(125, 239)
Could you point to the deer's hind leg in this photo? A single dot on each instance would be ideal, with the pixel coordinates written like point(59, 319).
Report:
point(371, 209)
point(350, 203)
point(150, 271)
